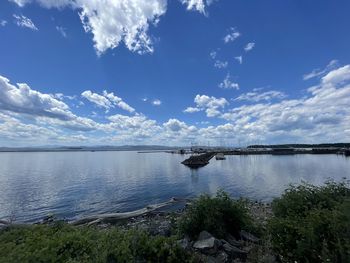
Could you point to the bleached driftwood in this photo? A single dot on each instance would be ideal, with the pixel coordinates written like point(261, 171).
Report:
point(115, 217)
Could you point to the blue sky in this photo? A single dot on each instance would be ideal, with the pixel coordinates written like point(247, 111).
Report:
point(174, 72)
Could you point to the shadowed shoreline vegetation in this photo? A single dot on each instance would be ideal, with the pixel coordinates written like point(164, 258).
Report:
point(308, 224)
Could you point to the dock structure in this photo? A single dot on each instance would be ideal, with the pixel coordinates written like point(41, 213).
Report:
point(196, 161)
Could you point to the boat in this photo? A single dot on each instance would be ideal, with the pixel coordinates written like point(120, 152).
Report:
point(220, 156)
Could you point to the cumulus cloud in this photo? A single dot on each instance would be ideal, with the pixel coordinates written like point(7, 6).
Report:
point(43, 108)
point(319, 72)
point(22, 99)
point(23, 21)
point(106, 100)
point(249, 46)
point(227, 83)
point(3, 23)
point(256, 95)
point(211, 105)
point(191, 110)
point(322, 115)
point(114, 22)
point(232, 35)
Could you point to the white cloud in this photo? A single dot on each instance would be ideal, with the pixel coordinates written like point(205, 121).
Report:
point(198, 5)
point(121, 21)
point(220, 64)
point(239, 59)
point(323, 115)
point(211, 105)
point(232, 35)
point(118, 101)
point(175, 125)
point(40, 107)
point(3, 23)
point(227, 83)
point(21, 3)
point(29, 116)
point(99, 100)
point(255, 96)
point(22, 99)
point(213, 54)
point(106, 100)
point(191, 110)
point(318, 72)
point(62, 31)
point(249, 46)
point(156, 102)
point(23, 21)
point(338, 76)
point(114, 22)
point(204, 101)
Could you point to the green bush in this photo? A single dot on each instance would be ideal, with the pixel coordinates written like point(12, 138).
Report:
point(64, 243)
point(312, 224)
point(219, 215)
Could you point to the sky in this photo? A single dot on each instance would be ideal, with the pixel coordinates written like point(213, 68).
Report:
point(174, 72)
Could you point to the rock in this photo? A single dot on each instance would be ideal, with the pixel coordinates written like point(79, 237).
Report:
point(206, 243)
point(234, 251)
point(204, 235)
point(184, 243)
point(222, 257)
point(233, 241)
point(164, 229)
point(249, 237)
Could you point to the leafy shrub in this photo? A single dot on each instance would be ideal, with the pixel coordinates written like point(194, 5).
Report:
point(312, 224)
point(64, 243)
point(220, 215)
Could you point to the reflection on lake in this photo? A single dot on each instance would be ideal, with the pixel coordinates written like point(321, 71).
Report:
point(72, 184)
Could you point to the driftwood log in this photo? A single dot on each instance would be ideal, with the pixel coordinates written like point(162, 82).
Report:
point(115, 217)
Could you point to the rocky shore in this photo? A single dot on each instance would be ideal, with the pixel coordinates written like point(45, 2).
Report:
point(207, 248)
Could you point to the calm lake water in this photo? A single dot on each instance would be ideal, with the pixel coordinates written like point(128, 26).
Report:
point(73, 184)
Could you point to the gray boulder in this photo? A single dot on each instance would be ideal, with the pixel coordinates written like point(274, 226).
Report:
point(206, 243)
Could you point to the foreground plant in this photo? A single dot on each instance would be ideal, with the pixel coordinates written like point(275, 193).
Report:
point(219, 215)
point(312, 224)
point(64, 243)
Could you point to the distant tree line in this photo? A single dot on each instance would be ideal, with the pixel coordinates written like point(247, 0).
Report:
point(322, 145)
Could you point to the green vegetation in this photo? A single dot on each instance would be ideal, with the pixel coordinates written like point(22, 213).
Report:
point(65, 243)
point(312, 224)
point(219, 215)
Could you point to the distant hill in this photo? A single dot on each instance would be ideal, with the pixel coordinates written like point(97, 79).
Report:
point(322, 145)
point(88, 148)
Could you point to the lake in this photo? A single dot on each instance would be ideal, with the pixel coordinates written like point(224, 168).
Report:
point(73, 184)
